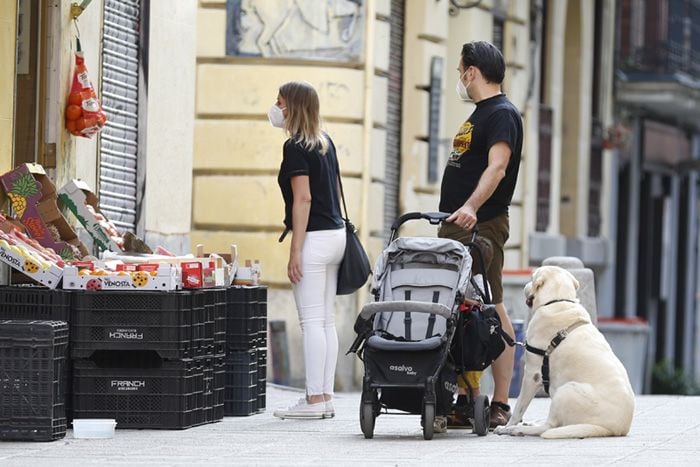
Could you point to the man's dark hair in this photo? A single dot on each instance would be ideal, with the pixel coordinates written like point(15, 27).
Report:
point(487, 58)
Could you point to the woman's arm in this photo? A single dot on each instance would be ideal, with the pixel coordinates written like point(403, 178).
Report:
point(301, 207)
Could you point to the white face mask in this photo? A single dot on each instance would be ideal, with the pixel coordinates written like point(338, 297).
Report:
point(276, 116)
point(462, 89)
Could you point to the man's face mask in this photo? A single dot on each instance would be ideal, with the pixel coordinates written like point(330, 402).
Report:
point(462, 90)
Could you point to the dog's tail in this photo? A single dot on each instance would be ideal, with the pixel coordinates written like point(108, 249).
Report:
point(582, 430)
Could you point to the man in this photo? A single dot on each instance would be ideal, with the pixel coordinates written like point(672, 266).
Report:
point(477, 188)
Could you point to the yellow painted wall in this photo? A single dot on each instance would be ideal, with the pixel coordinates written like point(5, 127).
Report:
point(8, 25)
point(237, 153)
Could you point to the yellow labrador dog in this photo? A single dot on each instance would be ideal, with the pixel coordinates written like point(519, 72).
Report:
point(589, 388)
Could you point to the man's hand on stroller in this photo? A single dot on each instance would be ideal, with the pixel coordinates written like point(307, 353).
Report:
point(465, 217)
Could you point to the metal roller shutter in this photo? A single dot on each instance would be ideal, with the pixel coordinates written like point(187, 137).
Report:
point(393, 130)
point(120, 99)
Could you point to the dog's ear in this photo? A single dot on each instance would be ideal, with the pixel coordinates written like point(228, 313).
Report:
point(538, 281)
point(574, 280)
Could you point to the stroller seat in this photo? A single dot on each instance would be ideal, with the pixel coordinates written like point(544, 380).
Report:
point(424, 286)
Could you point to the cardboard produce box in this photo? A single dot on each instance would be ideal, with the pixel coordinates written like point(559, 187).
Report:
point(77, 196)
point(28, 261)
point(33, 197)
point(165, 278)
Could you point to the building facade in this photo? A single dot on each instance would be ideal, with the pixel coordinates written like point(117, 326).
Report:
point(386, 71)
point(606, 88)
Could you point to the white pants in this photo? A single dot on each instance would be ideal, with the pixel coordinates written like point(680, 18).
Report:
point(315, 299)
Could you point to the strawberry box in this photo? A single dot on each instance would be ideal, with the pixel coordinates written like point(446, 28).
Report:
point(33, 197)
point(82, 202)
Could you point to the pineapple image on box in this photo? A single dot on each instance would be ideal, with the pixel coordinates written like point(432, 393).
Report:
point(21, 189)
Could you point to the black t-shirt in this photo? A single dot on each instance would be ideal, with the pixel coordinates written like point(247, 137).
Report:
point(495, 119)
point(323, 180)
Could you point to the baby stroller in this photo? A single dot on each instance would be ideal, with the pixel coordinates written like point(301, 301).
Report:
point(406, 333)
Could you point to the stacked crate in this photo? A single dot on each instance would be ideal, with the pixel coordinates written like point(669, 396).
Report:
point(147, 359)
point(32, 358)
point(246, 350)
point(28, 302)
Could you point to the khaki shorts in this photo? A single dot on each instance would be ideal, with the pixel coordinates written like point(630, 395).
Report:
point(496, 230)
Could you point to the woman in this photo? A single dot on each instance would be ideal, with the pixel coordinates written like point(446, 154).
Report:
point(308, 178)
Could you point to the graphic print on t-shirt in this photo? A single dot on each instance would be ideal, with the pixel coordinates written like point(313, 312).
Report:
point(461, 143)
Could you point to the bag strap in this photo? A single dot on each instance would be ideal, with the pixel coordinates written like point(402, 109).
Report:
point(342, 193)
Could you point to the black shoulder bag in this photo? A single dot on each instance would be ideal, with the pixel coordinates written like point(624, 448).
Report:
point(354, 269)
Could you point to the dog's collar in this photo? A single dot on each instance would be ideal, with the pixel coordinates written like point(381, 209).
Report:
point(557, 301)
point(553, 344)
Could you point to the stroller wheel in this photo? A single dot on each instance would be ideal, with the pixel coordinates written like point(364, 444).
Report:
point(367, 419)
point(482, 415)
point(428, 420)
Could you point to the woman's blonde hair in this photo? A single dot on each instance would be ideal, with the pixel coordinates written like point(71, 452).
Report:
point(303, 122)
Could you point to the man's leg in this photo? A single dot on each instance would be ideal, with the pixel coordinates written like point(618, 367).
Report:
point(502, 367)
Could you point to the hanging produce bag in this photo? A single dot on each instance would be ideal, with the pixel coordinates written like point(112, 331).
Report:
point(84, 114)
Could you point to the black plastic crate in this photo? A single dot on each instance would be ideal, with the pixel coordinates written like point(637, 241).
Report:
point(234, 408)
point(33, 429)
point(220, 318)
point(242, 322)
point(169, 396)
point(261, 303)
point(241, 368)
point(262, 378)
point(262, 395)
point(34, 303)
point(213, 370)
point(31, 302)
point(171, 323)
point(241, 383)
point(32, 379)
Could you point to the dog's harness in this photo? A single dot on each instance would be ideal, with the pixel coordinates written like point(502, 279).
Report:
point(558, 338)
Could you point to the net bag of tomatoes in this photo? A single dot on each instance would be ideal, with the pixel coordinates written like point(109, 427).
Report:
point(84, 114)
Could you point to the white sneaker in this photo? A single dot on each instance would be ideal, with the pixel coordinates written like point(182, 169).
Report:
point(302, 409)
point(330, 410)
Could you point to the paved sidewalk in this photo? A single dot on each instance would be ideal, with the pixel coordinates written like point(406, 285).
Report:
point(666, 431)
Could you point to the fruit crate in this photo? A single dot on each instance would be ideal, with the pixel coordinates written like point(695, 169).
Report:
point(32, 379)
point(261, 303)
point(214, 377)
point(262, 379)
point(33, 429)
point(34, 303)
point(241, 383)
point(215, 318)
point(168, 396)
point(171, 323)
point(242, 322)
point(220, 319)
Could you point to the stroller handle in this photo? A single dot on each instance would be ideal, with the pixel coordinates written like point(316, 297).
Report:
point(432, 217)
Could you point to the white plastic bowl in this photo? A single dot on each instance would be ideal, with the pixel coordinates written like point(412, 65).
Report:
point(94, 428)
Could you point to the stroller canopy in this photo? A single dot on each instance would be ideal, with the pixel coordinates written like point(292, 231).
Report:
point(441, 252)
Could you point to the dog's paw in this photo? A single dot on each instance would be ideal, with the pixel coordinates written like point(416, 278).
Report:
point(511, 430)
point(503, 430)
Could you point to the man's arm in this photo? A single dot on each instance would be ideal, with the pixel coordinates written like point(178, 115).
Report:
point(499, 155)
